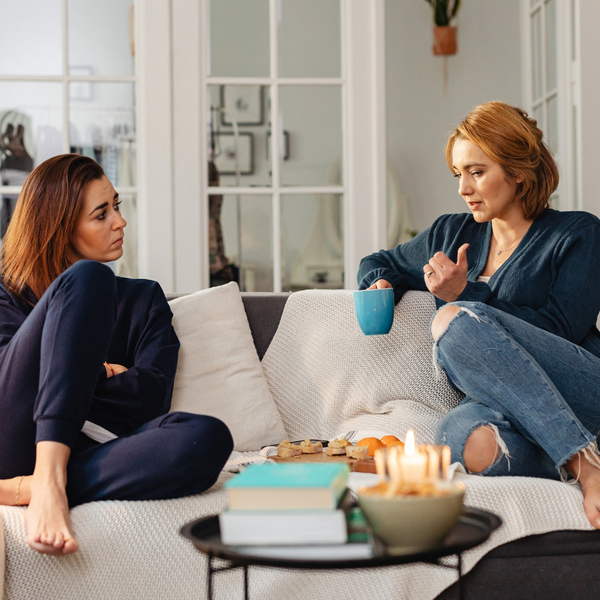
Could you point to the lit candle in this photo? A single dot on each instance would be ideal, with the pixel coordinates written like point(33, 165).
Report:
point(433, 467)
point(445, 461)
point(394, 471)
point(413, 464)
point(380, 462)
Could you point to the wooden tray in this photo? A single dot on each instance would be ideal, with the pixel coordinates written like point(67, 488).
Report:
point(363, 465)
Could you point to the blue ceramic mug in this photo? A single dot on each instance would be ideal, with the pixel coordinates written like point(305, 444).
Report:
point(375, 310)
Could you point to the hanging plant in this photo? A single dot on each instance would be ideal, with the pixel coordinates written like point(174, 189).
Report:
point(444, 34)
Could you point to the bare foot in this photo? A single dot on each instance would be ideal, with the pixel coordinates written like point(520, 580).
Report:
point(589, 478)
point(47, 520)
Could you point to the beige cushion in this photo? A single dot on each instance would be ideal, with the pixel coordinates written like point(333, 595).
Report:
point(219, 373)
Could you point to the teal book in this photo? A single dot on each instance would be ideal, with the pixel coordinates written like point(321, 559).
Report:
point(286, 486)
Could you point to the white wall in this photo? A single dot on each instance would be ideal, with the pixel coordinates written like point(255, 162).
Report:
point(420, 113)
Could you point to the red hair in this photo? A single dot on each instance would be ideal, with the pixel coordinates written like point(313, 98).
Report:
point(510, 137)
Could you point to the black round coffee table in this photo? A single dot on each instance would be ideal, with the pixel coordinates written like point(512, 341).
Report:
point(473, 528)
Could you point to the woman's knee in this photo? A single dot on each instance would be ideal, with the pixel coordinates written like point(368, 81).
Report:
point(481, 449)
point(89, 272)
point(471, 439)
point(87, 280)
point(207, 435)
point(442, 320)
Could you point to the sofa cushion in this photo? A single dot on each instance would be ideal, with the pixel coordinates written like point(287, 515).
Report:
point(219, 372)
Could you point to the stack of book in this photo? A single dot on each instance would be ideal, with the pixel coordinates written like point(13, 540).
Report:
point(291, 510)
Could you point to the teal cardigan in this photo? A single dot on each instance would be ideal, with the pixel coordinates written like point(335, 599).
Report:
point(551, 280)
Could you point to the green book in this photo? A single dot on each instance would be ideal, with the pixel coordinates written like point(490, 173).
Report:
point(287, 486)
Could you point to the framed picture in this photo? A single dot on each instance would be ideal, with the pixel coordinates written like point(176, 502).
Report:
point(285, 151)
point(242, 104)
point(225, 160)
point(80, 90)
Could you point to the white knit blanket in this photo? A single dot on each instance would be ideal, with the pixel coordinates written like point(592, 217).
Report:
point(327, 378)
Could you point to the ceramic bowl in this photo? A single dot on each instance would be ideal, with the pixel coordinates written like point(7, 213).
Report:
point(410, 524)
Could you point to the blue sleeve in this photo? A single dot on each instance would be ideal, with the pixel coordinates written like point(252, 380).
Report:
point(401, 266)
point(144, 391)
point(573, 302)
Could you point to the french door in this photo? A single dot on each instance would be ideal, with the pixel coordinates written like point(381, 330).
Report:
point(271, 130)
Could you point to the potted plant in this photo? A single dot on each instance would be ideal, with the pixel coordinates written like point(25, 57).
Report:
point(444, 34)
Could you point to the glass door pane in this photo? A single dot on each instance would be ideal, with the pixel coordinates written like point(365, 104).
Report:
point(30, 132)
point(551, 70)
point(30, 124)
point(102, 122)
point(100, 37)
point(311, 119)
point(27, 25)
point(238, 134)
point(238, 38)
point(312, 241)
point(310, 38)
point(241, 241)
point(536, 49)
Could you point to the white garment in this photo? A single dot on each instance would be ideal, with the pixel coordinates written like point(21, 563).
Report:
point(97, 433)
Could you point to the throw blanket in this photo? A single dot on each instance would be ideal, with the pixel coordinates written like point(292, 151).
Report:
point(327, 377)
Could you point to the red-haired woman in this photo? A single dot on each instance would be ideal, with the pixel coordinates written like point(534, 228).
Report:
point(87, 364)
point(518, 291)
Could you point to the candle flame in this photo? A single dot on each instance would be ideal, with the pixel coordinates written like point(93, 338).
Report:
point(409, 442)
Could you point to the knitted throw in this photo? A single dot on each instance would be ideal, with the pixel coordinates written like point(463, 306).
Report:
point(328, 378)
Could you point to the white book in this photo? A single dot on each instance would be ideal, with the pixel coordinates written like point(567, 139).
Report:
point(283, 527)
point(325, 552)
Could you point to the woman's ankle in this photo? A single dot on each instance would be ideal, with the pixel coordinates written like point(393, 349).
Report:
point(15, 491)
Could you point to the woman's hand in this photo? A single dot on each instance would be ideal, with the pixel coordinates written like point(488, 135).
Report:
point(113, 369)
point(380, 284)
point(444, 278)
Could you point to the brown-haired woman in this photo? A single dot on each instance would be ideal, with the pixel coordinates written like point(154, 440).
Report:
point(87, 364)
point(516, 326)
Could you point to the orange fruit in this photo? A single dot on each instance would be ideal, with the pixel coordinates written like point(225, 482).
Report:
point(388, 440)
point(372, 443)
point(392, 444)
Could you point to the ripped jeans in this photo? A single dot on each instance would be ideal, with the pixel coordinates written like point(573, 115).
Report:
point(539, 392)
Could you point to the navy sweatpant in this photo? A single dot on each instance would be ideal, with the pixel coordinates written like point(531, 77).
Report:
point(48, 373)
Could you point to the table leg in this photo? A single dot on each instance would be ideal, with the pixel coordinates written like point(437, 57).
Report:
point(246, 596)
point(210, 576)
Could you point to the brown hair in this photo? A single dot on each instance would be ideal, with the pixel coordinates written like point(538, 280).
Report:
point(37, 244)
point(508, 136)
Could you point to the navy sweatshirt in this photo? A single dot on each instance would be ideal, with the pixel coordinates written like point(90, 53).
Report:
point(551, 280)
point(143, 340)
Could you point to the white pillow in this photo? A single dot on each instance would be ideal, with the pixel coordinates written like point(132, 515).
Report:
point(219, 372)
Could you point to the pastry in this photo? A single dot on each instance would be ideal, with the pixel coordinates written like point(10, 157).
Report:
point(357, 451)
point(337, 447)
point(307, 447)
point(287, 450)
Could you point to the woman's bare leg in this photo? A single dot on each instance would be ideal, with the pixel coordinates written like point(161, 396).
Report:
point(47, 517)
point(589, 478)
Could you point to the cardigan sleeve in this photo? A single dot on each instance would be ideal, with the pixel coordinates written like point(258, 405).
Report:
point(144, 391)
point(402, 266)
point(572, 304)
